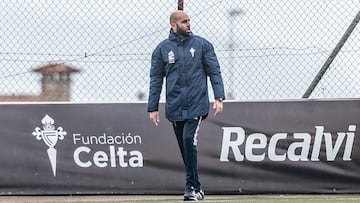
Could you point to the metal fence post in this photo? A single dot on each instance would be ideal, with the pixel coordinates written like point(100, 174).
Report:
point(332, 56)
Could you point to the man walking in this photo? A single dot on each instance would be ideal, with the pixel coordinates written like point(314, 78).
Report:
point(186, 61)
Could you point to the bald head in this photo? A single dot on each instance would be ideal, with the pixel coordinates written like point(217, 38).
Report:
point(176, 15)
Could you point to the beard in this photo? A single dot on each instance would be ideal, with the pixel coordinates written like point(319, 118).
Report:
point(181, 31)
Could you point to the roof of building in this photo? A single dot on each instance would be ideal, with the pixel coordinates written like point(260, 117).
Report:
point(56, 68)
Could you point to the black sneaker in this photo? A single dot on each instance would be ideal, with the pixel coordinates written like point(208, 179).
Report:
point(200, 195)
point(190, 196)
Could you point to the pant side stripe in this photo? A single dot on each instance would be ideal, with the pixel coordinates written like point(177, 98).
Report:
point(195, 141)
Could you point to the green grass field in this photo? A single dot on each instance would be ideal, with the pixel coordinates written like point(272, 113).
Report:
point(177, 198)
point(270, 199)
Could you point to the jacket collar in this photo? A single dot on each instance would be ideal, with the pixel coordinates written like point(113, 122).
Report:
point(173, 36)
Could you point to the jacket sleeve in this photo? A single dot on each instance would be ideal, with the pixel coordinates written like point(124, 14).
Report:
point(157, 74)
point(212, 68)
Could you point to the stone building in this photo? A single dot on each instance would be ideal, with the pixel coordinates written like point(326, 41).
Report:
point(55, 85)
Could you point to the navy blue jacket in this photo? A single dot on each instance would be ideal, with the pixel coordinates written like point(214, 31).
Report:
point(185, 62)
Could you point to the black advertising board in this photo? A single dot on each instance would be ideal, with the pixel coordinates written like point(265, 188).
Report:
point(298, 146)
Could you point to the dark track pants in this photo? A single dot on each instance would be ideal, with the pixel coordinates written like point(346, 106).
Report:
point(186, 134)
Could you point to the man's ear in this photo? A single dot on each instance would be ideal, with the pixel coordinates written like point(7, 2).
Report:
point(173, 26)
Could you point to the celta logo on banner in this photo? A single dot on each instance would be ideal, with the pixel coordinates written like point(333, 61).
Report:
point(50, 136)
point(234, 138)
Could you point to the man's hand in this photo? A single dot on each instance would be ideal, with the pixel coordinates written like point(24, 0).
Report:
point(218, 107)
point(155, 117)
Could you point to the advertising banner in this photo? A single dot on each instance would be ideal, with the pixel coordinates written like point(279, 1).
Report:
point(298, 146)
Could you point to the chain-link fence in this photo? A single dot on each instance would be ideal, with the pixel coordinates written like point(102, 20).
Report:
point(268, 49)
